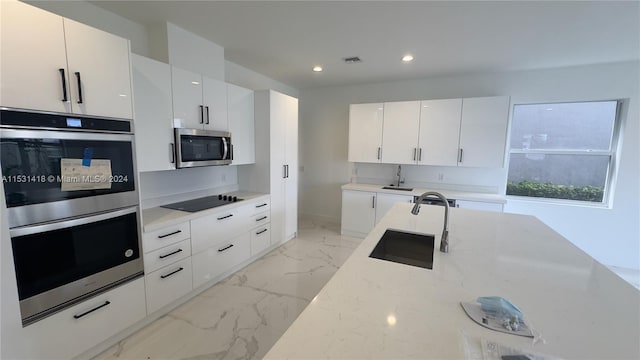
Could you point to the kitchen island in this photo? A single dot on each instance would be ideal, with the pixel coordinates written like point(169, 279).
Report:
point(374, 308)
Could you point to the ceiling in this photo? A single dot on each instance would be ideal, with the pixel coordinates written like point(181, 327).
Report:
point(284, 40)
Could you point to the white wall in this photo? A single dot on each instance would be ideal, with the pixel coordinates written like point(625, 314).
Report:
point(612, 236)
point(241, 76)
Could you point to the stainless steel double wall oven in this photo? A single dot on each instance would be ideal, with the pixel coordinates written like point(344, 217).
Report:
point(72, 207)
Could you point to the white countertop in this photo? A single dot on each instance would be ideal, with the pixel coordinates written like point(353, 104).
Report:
point(158, 217)
point(449, 194)
point(379, 309)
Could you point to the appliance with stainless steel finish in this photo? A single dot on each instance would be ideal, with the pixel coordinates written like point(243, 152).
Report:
point(195, 147)
point(72, 207)
point(444, 240)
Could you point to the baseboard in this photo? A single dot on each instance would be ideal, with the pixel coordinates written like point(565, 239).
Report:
point(320, 218)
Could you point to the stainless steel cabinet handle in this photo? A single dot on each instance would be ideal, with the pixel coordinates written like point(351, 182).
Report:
point(172, 273)
point(78, 316)
point(169, 234)
point(225, 217)
point(261, 231)
point(201, 114)
point(225, 248)
point(169, 254)
point(64, 86)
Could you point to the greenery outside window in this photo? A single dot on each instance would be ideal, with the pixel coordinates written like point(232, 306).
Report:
point(563, 150)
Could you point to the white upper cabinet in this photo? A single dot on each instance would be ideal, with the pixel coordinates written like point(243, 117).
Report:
point(241, 124)
point(45, 57)
point(439, 132)
point(153, 114)
point(365, 132)
point(199, 102)
point(483, 131)
point(399, 135)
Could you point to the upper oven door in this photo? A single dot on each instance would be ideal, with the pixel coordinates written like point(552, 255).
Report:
point(49, 175)
point(202, 147)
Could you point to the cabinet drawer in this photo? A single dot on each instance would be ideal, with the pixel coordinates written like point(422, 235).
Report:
point(169, 235)
point(260, 238)
point(262, 206)
point(166, 255)
point(75, 330)
point(261, 219)
point(168, 284)
point(219, 227)
point(214, 261)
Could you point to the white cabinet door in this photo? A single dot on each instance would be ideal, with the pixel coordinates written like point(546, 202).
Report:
point(439, 132)
point(222, 225)
point(214, 99)
point(215, 261)
point(483, 131)
point(291, 161)
point(479, 205)
point(188, 107)
point(260, 239)
point(358, 212)
point(99, 71)
point(400, 132)
point(384, 202)
point(168, 284)
point(153, 114)
point(241, 124)
point(33, 53)
point(365, 132)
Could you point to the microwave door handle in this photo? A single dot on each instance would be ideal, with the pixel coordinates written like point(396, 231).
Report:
point(225, 147)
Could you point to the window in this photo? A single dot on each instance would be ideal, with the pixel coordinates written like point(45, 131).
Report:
point(563, 150)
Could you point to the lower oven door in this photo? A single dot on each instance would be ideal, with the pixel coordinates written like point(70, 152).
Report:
point(58, 264)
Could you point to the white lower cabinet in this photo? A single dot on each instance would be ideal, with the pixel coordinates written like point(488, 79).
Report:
point(358, 212)
point(260, 239)
point(79, 328)
point(168, 284)
point(384, 203)
point(479, 205)
point(224, 224)
point(214, 261)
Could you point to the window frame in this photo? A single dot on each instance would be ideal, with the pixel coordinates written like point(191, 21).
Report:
point(612, 153)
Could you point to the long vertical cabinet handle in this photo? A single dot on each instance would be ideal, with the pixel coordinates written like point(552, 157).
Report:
point(415, 152)
point(79, 87)
point(373, 202)
point(65, 98)
point(287, 167)
point(460, 155)
point(420, 154)
point(172, 153)
point(284, 171)
point(379, 151)
point(201, 114)
point(207, 108)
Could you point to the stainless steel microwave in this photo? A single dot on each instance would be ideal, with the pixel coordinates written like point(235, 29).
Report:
point(195, 147)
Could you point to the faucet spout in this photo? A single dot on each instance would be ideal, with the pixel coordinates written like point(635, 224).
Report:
point(444, 240)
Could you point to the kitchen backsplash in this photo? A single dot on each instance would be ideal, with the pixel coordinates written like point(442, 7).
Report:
point(433, 177)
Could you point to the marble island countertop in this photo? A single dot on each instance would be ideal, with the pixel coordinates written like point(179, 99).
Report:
point(449, 194)
point(379, 309)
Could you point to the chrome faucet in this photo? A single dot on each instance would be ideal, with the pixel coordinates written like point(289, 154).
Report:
point(444, 241)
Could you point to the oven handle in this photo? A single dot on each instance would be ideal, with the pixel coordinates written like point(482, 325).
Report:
point(34, 229)
point(63, 135)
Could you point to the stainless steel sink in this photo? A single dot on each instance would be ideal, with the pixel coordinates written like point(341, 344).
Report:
point(397, 188)
point(405, 248)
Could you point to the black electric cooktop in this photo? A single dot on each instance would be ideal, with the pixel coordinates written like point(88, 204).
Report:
point(204, 203)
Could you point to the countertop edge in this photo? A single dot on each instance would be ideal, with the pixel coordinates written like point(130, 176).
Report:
point(455, 194)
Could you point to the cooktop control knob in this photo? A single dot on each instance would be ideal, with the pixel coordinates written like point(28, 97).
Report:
point(224, 197)
point(219, 197)
point(235, 198)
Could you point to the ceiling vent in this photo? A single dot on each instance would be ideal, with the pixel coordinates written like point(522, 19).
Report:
point(352, 60)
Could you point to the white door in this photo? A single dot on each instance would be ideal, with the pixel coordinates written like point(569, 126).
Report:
point(214, 98)
point(358, 212)
point(439, 132)
point(99, 71)
point(384, 202)
point(241, 124)
point(278, 108)
point(153, 114)
point(291, 162)
point(188, 108)
point(365, 132)
point(483, 131)
point(33, 61)
point(400, 132)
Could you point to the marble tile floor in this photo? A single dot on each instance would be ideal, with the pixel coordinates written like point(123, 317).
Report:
point(242, 316)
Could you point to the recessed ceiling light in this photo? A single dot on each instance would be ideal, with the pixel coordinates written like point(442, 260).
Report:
point(407, 58)
point(317, 68)
point(549, 109)
point(195, 83)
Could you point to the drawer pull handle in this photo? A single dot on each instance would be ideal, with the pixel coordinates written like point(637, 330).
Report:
point(262, 218)
point(225, 248)
point(261, 231)
point(225, 217)
point(261, 205)
point(172, 273)
point(169, 234)
point(169, 254)
point(78, 316)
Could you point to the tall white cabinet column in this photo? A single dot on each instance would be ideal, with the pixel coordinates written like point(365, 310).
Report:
point(276, 168)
